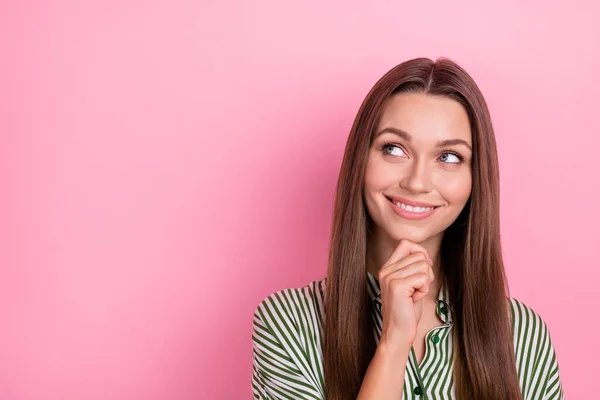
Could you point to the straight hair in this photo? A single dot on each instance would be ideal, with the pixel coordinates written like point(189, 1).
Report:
point(484, 362)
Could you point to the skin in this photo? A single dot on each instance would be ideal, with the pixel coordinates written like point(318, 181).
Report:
point(403, 253)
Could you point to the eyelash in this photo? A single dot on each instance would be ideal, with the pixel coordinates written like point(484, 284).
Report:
point(386, 144)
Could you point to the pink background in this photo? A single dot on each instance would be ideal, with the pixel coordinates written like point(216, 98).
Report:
point(166, 165)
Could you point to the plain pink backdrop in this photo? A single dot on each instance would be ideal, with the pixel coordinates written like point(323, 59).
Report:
point(168, 164)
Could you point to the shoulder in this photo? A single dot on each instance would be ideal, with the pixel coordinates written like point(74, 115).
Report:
point(531, 333)
point(286, 344)
point(525, 319)
point(293, 309)
point(535, 356)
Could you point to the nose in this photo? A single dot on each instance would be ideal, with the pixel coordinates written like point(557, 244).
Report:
point(417, 178)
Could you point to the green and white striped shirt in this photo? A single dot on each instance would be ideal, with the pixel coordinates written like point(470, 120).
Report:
point(288, 360)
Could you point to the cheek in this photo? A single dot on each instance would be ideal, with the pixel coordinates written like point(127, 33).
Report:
point(378, 176)
point(456, 190)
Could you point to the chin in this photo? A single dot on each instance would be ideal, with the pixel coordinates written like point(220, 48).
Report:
point(409, 234)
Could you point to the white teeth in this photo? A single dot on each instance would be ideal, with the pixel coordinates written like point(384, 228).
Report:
point(413, 209)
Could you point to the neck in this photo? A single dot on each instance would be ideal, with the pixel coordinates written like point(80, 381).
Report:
point(380, 246)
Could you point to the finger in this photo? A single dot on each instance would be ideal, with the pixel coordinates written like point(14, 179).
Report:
point(391, 268)
point(406, 267)
point(415, 286)
point(404, 248)
point(422, 290)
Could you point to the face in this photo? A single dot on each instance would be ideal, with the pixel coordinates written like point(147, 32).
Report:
point(421, 154)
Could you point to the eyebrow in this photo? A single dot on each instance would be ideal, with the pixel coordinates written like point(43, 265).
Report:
point(404, 135)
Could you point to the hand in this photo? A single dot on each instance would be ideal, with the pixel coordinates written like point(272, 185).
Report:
point(404, 281)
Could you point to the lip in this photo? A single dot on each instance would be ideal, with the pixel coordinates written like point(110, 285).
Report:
point(410, 203)
point(409, 214)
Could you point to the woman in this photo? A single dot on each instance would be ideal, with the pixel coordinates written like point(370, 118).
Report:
point(415, 304)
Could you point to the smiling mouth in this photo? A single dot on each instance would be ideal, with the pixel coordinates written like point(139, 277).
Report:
point(412, 209)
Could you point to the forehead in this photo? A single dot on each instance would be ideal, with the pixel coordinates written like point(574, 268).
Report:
point(426, 117)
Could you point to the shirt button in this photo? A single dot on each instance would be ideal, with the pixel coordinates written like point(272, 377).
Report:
point(435, 339)
point(418, 391)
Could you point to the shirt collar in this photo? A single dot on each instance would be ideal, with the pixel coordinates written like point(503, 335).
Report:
point(443, 308)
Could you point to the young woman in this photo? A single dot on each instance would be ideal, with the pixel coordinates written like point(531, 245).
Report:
point(415, 304)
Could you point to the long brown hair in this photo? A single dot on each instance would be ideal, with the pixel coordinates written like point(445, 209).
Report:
point(484, 363)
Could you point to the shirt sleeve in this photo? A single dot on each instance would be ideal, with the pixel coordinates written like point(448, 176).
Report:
point(547, 365)
point(278, 371)
point(537, 364)
point(553, 387)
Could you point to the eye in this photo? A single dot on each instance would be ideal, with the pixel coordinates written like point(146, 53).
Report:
point(386, 146)
point(445, 157)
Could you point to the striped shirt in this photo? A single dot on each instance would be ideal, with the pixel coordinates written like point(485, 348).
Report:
point(288, 360)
